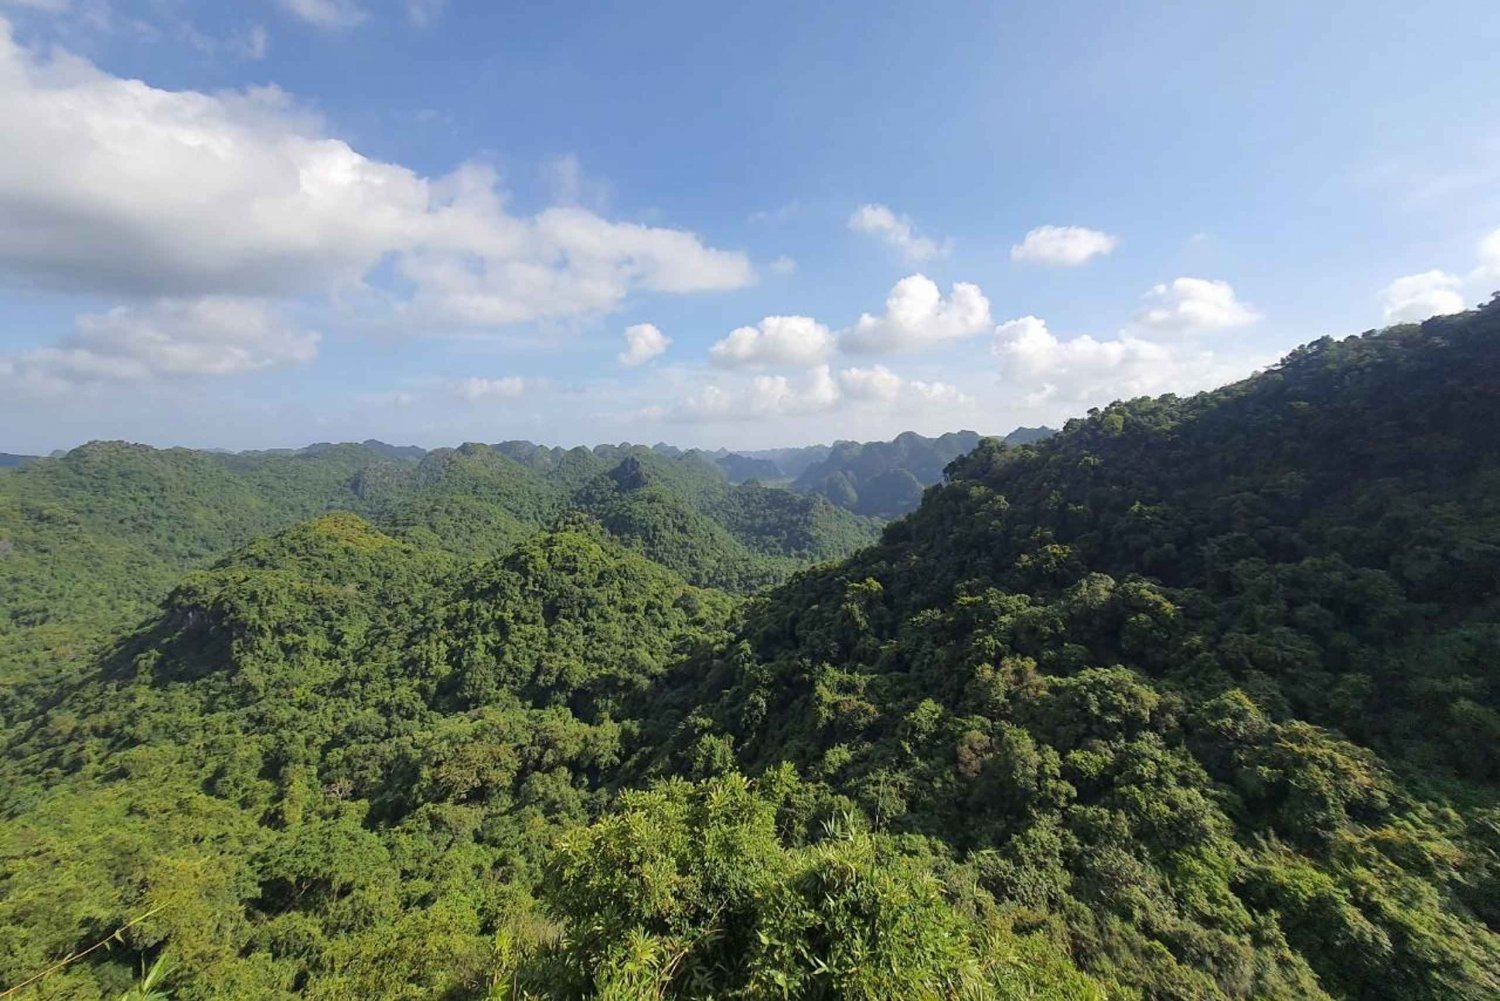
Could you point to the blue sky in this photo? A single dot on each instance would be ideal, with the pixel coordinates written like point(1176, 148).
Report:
point(277, 221)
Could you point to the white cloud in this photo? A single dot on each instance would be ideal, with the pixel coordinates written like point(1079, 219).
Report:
point(1194, 304)
point(1028, 350)
point(821, 391)
point(917, 316)
point(326, 13)
point(896, 231)
point(505, 388)
point(765, 396)
point(424, 12)
point(878, 383)
point(783, 265)
point(486, 269)
point(777, 340)
point(49, 6)
point(1068, 375)
point(171, 337)
point(1413, 298)
point(643, 341)
point(1065, 246)
point(940, 393)
point(131, 190)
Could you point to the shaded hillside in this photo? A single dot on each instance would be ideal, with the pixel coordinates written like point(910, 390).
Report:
point(1207, 685)
point(885, 479)
point(740, 468)
point(682, 514)
point(790, 461)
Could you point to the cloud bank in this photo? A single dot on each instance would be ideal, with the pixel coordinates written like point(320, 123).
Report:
point(145, 194)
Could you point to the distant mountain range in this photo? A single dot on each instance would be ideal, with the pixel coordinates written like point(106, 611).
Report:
point(882, 479)
point(878, 479)
point(121, 512)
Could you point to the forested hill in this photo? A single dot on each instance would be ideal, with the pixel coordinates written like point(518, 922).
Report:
point(90, 541)
point(1207, 686)
point(886, 478)
point(1196, 699)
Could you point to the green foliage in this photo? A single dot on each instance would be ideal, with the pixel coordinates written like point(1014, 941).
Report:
point(334, 762)
point(1206, 684)
point(691, 891)
point(90, 542)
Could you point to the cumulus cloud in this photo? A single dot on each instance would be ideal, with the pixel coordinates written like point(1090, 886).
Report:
point(798, 341)
point(477, 389)
point(765, 396)
point(643, 341)
point(895, 231)
point(131, 190)
point(878, 383)
point(1030, 351)
point(938, 393)
point(820, 391)
point(783, 265)
point(1414, 298)
point(326, 13)
point(1190, 305)
point(917, 316)
point(169, 337)
point(1084, 371)
point(1064, 246)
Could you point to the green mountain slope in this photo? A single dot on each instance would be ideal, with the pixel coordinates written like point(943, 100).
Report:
point(90, 541)
point(327, 738)
point(740, 468)
point(685, 516)
point(1208, 685)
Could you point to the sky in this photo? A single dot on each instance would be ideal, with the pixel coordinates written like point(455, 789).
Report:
point(271, 222)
